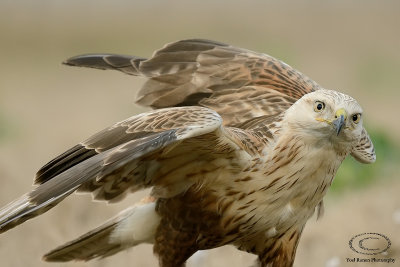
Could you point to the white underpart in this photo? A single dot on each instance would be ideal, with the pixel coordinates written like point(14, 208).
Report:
point(138, 226)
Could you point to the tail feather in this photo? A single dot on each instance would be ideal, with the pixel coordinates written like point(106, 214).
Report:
point(88, 246)
point(131, 227)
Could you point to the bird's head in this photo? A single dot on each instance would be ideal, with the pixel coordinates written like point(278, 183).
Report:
point(335, 118)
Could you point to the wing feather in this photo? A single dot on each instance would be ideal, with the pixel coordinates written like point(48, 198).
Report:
point(203, 72)
point(124, 63)
point(114, 168)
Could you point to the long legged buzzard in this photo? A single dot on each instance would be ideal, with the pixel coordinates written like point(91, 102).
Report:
point(240, 149)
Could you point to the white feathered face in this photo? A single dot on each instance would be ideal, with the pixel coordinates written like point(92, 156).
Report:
point(329, 115)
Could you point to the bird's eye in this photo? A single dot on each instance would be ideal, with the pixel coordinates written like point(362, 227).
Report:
point(356, 118)
point(319, 106)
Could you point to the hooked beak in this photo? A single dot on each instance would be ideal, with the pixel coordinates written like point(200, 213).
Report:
point(339, 121)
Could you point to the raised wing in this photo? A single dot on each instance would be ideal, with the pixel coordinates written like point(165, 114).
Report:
point(156, 149)
point(239, 84)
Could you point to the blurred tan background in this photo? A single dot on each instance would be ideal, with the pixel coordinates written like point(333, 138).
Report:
point(45, 108)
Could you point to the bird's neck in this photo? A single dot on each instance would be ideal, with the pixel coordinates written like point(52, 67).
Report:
point(302, 169)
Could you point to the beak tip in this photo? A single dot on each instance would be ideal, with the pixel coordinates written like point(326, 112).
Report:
point(338, 124)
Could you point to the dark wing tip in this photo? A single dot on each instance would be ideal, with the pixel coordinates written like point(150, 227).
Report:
point(124, 63)
point(100, 61)
point(63, 162)
point(10, 213)
point(25, 208)
point(87, 60)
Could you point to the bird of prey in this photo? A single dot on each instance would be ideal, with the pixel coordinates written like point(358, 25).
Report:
point(240, 149)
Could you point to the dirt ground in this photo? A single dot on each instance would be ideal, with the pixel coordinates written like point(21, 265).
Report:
point(45, 107)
